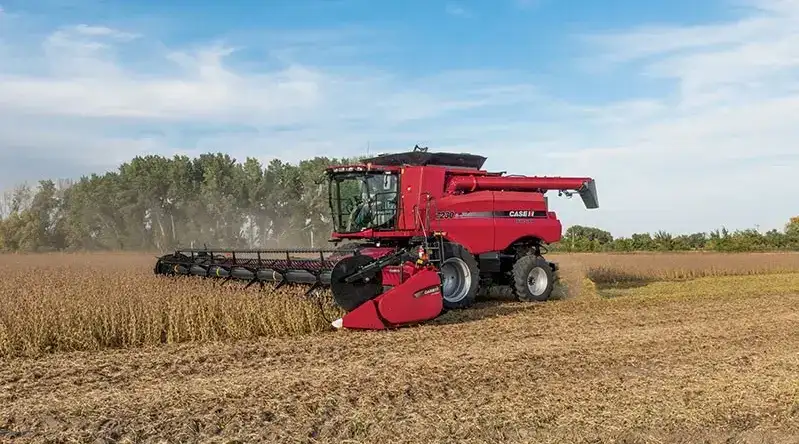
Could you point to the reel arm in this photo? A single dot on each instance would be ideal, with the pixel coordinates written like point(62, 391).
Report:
point(391, 259)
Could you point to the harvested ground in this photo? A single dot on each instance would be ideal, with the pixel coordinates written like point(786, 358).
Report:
point(714, 359)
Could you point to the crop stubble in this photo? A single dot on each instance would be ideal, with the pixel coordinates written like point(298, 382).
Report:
point(711, 358)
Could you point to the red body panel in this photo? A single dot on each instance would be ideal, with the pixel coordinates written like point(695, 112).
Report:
point(418, 299)
point(544, 225)
point(509, 230)
point(364, 317)
point(417, 186)
point(467, 219)
point(397, 274)
point(376, 252)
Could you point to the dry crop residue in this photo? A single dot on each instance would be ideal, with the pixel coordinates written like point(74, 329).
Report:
point(659, 363)
point(91, 302)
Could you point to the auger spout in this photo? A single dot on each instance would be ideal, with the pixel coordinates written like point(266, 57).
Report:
point(585, 186)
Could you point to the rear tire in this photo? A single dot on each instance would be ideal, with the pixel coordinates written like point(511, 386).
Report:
point(460, 277)
point(533, 279)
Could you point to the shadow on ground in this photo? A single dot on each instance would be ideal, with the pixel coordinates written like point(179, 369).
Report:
point(479, 311)
point(610, 290)
point(494, 302)
point(623, 285)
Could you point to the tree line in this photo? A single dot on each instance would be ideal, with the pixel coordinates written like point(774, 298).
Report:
point(579, 238)
point(160, 203)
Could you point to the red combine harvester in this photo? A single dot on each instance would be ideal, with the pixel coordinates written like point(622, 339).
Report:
point(427, 230)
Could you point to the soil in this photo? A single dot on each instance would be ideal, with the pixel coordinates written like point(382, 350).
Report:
point(722, 368)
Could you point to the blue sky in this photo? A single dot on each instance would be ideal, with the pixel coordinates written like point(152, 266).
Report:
point(686, 113)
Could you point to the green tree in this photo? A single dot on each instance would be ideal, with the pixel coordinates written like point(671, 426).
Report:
point(581, 238)
point(642, 242)
point(663, 241)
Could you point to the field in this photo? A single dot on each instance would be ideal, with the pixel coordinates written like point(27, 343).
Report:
point(639, 348)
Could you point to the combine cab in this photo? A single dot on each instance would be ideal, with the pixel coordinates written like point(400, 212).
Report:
point(427, 231)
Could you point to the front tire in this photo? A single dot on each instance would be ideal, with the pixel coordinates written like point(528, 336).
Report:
point(533, 279)
point(460, 277)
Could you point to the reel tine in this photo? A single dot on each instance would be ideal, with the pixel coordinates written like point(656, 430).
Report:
point(249, 284)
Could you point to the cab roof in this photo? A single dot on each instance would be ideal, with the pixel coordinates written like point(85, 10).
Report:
point(424, 158)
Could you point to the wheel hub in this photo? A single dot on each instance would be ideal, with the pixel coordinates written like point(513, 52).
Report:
point(456, 277)
point(537, 281)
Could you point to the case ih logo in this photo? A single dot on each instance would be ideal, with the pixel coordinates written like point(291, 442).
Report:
point(427, 291)
point(515, 214)
point(521, 213)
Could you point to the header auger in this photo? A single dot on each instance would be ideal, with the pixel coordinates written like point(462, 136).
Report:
point(427, 231)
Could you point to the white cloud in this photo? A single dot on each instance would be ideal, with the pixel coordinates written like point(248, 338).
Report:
point(457, 10)
point(81, 101)
point(86, 78)
point(715, 147)
point(103, 31)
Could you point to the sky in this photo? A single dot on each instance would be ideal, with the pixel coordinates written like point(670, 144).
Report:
point(686, 113)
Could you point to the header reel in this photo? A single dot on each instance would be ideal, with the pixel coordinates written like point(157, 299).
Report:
point(356, 280)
